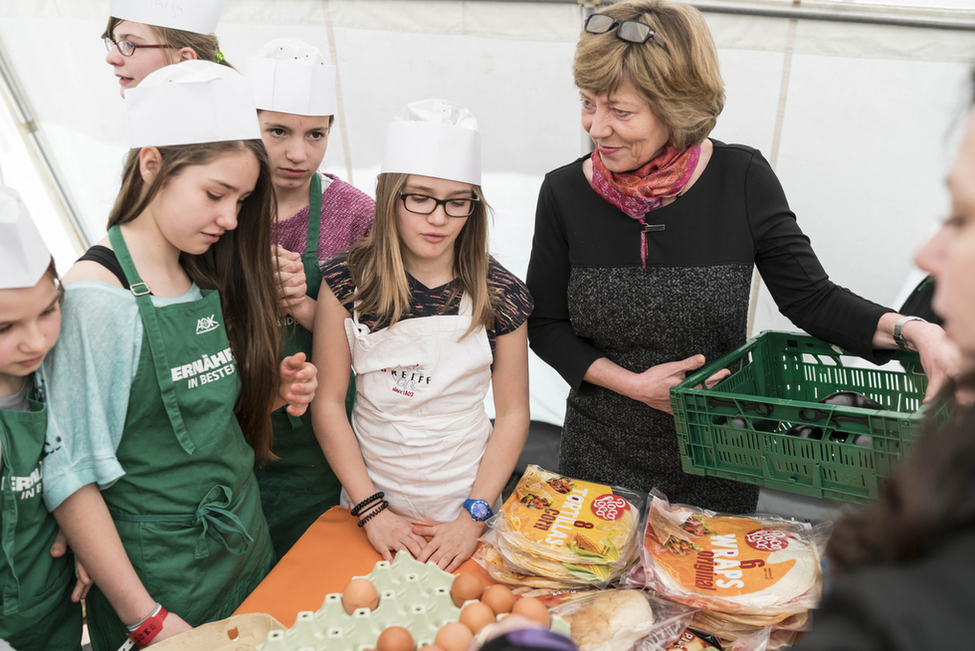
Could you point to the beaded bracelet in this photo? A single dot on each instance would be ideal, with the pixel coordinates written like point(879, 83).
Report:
point(357, 509)
point(382, 507)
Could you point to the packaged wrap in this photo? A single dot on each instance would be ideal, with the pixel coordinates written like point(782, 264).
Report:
point(616, 620)
point(754, 565)
point(563, 531)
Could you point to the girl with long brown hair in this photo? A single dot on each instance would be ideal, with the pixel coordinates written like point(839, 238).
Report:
point(428, 321)
point(169, 368)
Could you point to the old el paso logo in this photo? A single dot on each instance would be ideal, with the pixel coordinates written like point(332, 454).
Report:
point(721, 561)
point(409, 380)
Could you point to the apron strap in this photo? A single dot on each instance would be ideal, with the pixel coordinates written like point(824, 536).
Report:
point(311, 246)
point(11, 589)
point(213, 514)
point(156, 345)
point(314, 214)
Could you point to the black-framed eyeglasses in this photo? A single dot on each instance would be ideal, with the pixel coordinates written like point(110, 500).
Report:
point(421, 204)
point(128, 48)
point(631, 31)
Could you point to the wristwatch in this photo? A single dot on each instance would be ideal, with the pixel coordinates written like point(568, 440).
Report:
point(479, 509)
point(899, 330)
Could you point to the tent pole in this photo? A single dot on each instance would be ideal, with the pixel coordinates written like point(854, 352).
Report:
point(39, 150)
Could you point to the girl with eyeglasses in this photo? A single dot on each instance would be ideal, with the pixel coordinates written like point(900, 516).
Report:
point(428, 321)
point(142, 37)
point(318, 216)
point(167, 371)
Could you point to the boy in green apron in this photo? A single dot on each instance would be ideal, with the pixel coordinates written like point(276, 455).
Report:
point(169, 366)
point(36, 610)
point(318, 216)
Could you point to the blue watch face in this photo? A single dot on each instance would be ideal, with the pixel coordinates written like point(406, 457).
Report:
point(478, 509)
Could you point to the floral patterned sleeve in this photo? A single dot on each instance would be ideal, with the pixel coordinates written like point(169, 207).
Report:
point(335, 274)
point(515, 303)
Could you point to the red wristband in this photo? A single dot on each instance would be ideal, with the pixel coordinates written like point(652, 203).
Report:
point(149, 629)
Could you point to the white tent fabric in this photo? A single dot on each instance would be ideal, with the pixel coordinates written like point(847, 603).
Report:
point(856, 118)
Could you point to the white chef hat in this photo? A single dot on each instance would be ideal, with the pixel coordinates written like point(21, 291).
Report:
point(199, 16)
point(23, 256)
point(191, 102)
point(291, 76)
point(434, 138)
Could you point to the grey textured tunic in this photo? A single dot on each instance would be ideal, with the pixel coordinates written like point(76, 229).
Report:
point(594, 299)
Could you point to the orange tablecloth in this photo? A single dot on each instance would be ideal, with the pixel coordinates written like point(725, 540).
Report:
point(331, 552)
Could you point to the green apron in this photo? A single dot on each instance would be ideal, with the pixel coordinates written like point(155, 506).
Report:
point(187, 509)
point(36, 611)
point(300, 485)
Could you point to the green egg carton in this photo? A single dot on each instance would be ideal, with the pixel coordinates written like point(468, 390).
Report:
point(413, 595)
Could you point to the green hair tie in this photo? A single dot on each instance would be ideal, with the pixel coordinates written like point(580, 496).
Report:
point(220, 57)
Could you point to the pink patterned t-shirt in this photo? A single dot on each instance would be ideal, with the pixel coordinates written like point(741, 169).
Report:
point(347, 215)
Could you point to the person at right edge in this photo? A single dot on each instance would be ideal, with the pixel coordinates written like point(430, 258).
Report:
point(902, 577)
point(643, 254)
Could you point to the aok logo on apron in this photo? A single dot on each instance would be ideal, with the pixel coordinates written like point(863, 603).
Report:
point(206, 324)
point(409, 380)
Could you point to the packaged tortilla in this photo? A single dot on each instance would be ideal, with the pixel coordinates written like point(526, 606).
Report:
point(751, 565)
point(615, 620)
point(488, 557)
point(566, 530)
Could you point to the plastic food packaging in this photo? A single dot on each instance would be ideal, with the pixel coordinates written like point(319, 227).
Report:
point(237, 633)
point(760, 566)
point(555, 531)
point(616, 620)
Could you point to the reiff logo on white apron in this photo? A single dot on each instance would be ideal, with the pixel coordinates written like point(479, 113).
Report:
point(409, 380)
point(206, 324)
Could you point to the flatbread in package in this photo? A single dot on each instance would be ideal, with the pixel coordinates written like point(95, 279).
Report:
point(566, 529)
point(753, 565)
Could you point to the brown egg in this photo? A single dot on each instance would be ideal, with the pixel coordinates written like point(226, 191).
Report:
point(430, 647)
point(476, 615)
point(499, 599)
point(360, 593)
point(453, 637)
point(532, 609)
point(466, 586)
point(395, 638)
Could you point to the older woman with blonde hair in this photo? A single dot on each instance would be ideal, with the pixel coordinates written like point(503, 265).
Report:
point(643, 255)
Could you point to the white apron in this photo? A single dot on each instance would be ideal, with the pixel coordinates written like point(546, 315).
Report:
point(419, 414)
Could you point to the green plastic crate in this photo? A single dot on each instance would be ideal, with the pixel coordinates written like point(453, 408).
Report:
point(779, 378)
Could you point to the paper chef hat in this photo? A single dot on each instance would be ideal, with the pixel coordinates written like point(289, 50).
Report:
point(291, 76)
point(23, 256)
point(434, 138)
point(191, 102)
point(199, 16)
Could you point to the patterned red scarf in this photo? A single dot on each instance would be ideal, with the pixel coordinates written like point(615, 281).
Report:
point(640, 192)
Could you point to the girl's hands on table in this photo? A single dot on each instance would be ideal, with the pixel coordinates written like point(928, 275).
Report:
point(389, 533)
point(451, 543)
